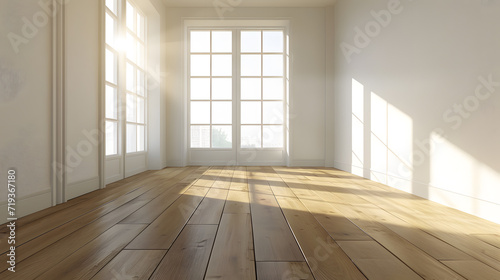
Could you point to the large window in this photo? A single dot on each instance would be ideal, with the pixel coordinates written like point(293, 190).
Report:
point(211, 89)
point(135, 81)
point(125, 59)
point(253, 60)
point(262, 88)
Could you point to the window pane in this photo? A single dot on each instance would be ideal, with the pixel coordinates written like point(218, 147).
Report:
point(140, 83)
point(200, 88)
point(130, 78)
point(110, 67)
point(222, 112)
point(131, 47)
point(273, 88)
point(200, 136)
point(110, 31)
point(140, 54)
point(131, 108)
point(273, 65)
point(222, 88)
point(222, 65)
point(200, 41)
point(250, 41)
point(141, 110)
point(131, 138)
point(273, 112)
point(273, 136)
point(141, 136)
point(111, 103)
point(250, 88)
point(140, 26)
point(111, 138)
point(251, 136)
point(222, 41)
point(130, 17)
point(273, 41)
point(111, 4)
point(200, 65)
point(250, 65)
point(250, 112)
point(222, 136)
point(200, 112)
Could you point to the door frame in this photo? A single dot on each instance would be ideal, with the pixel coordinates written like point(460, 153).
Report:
point(256, 156)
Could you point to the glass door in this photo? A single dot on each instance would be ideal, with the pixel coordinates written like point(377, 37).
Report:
point(236, 92)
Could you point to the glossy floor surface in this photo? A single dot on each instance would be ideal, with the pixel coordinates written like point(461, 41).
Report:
point(252, 223)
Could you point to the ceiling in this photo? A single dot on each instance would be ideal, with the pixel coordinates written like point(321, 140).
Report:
point(248, 3)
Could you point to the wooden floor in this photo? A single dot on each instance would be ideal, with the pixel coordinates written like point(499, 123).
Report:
point(252, 223)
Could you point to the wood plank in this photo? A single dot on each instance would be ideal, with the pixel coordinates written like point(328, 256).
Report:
point(87, 261)
point(283, 270)
point(131, 264)
point(325, 257)
point(35, 228)
point(189, 255)
point(233, 255)
point(224, 179)
point(149, 212)
point(237, 202)
point(434, 222)
point(51, 255)
point(43, 240)
point(376, 262)
point(210, 210)
point(492, 239)
point(239, 181)
point(430, 244)
point(272, 237)
point(334, 222)
point(426, 242)
point(473, 269)
point(422, 263)
point(161, 233)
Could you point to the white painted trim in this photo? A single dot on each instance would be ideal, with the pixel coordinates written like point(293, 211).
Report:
point(174, 163)
point(82, 187)
point(29, 204)
point(58, 164)
point(307, 163)
point(225, 163)
point(101, 125)
point(135, 171)
point(113, 179)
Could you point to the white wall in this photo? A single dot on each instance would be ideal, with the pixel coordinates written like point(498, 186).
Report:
point(26, 99)
point(25, 105)
point(411, 73)
point(307, 45)
point(82, 91)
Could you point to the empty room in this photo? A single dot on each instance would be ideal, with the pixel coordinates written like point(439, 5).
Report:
point(249, 139)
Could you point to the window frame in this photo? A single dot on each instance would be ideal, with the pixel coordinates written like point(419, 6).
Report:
point(121, 105)
point(236, 96)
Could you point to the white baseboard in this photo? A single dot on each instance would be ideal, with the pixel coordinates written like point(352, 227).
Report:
point(342, 166)
point(306, 163)
point(225, 163)
point(174, 163)
point(135, 171)
point(28, 204)
point(81, 187)
point(113, 179)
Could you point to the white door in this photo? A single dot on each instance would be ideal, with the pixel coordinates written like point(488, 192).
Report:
point(125, 90)
point(236, 93)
